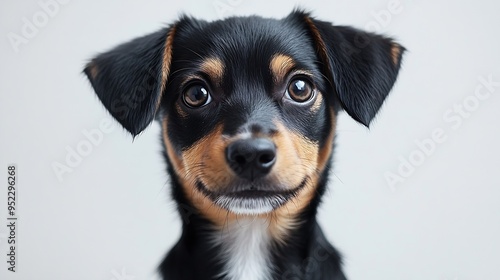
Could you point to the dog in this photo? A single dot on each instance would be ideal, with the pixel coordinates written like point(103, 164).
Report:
point(248, 109)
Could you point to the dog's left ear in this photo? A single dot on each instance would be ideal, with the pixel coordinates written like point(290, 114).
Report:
point(130, 79)
point(362, 66)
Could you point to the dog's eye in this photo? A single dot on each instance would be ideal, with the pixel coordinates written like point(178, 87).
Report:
point(196, 96)
point(300, 90)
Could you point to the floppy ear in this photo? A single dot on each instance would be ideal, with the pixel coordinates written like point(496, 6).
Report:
point(363, 66)
point(130, 79)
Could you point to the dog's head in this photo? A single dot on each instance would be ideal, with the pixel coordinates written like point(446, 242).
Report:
point(248, 105)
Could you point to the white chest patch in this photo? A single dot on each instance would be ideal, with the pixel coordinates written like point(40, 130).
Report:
point(246, 250)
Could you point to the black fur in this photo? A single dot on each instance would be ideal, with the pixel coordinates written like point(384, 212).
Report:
point(128, 80)
point(355, 72)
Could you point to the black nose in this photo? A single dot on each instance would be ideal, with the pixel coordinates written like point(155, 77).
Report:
point(251, 158)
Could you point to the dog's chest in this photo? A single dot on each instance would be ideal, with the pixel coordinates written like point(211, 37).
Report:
point(246, 246)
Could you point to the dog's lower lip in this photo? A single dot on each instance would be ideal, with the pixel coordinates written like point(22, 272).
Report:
point(253, 194)
point(250, 193)
point(251, 201)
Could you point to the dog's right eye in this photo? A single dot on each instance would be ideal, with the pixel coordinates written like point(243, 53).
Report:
point(196, 96)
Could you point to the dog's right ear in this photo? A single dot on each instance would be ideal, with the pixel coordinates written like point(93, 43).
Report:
point(130, 79)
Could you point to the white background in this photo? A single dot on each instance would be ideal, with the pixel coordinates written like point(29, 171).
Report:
point(112, 216)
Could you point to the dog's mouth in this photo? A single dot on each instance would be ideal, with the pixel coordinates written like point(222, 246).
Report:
point(253, 201)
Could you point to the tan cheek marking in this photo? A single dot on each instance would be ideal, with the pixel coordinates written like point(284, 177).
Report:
point(285, 218)
point(280, 66)
point(395, 53)
point(307, 151)
point(182, 165)
point(317, 103)
point(325, 152)
point(207, 160)
point(287, 161)
point(214, 68)
point(305, 197)
point(295, 157)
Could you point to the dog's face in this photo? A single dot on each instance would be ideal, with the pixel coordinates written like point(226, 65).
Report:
point(248, 105)
point(246, 124)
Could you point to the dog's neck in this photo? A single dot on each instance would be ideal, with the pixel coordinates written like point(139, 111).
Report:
point(245, 250)
point(245, 247)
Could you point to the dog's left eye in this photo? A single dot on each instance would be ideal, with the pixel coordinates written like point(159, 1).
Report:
point(196, 96)
point(300, 90)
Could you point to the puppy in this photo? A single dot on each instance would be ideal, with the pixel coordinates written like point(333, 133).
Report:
point(248, 109)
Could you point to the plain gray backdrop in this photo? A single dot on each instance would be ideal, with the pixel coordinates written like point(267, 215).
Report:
point(109, 215)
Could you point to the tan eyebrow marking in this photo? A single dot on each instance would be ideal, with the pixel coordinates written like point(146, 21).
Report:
point(213, 67)
point(280, 66)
